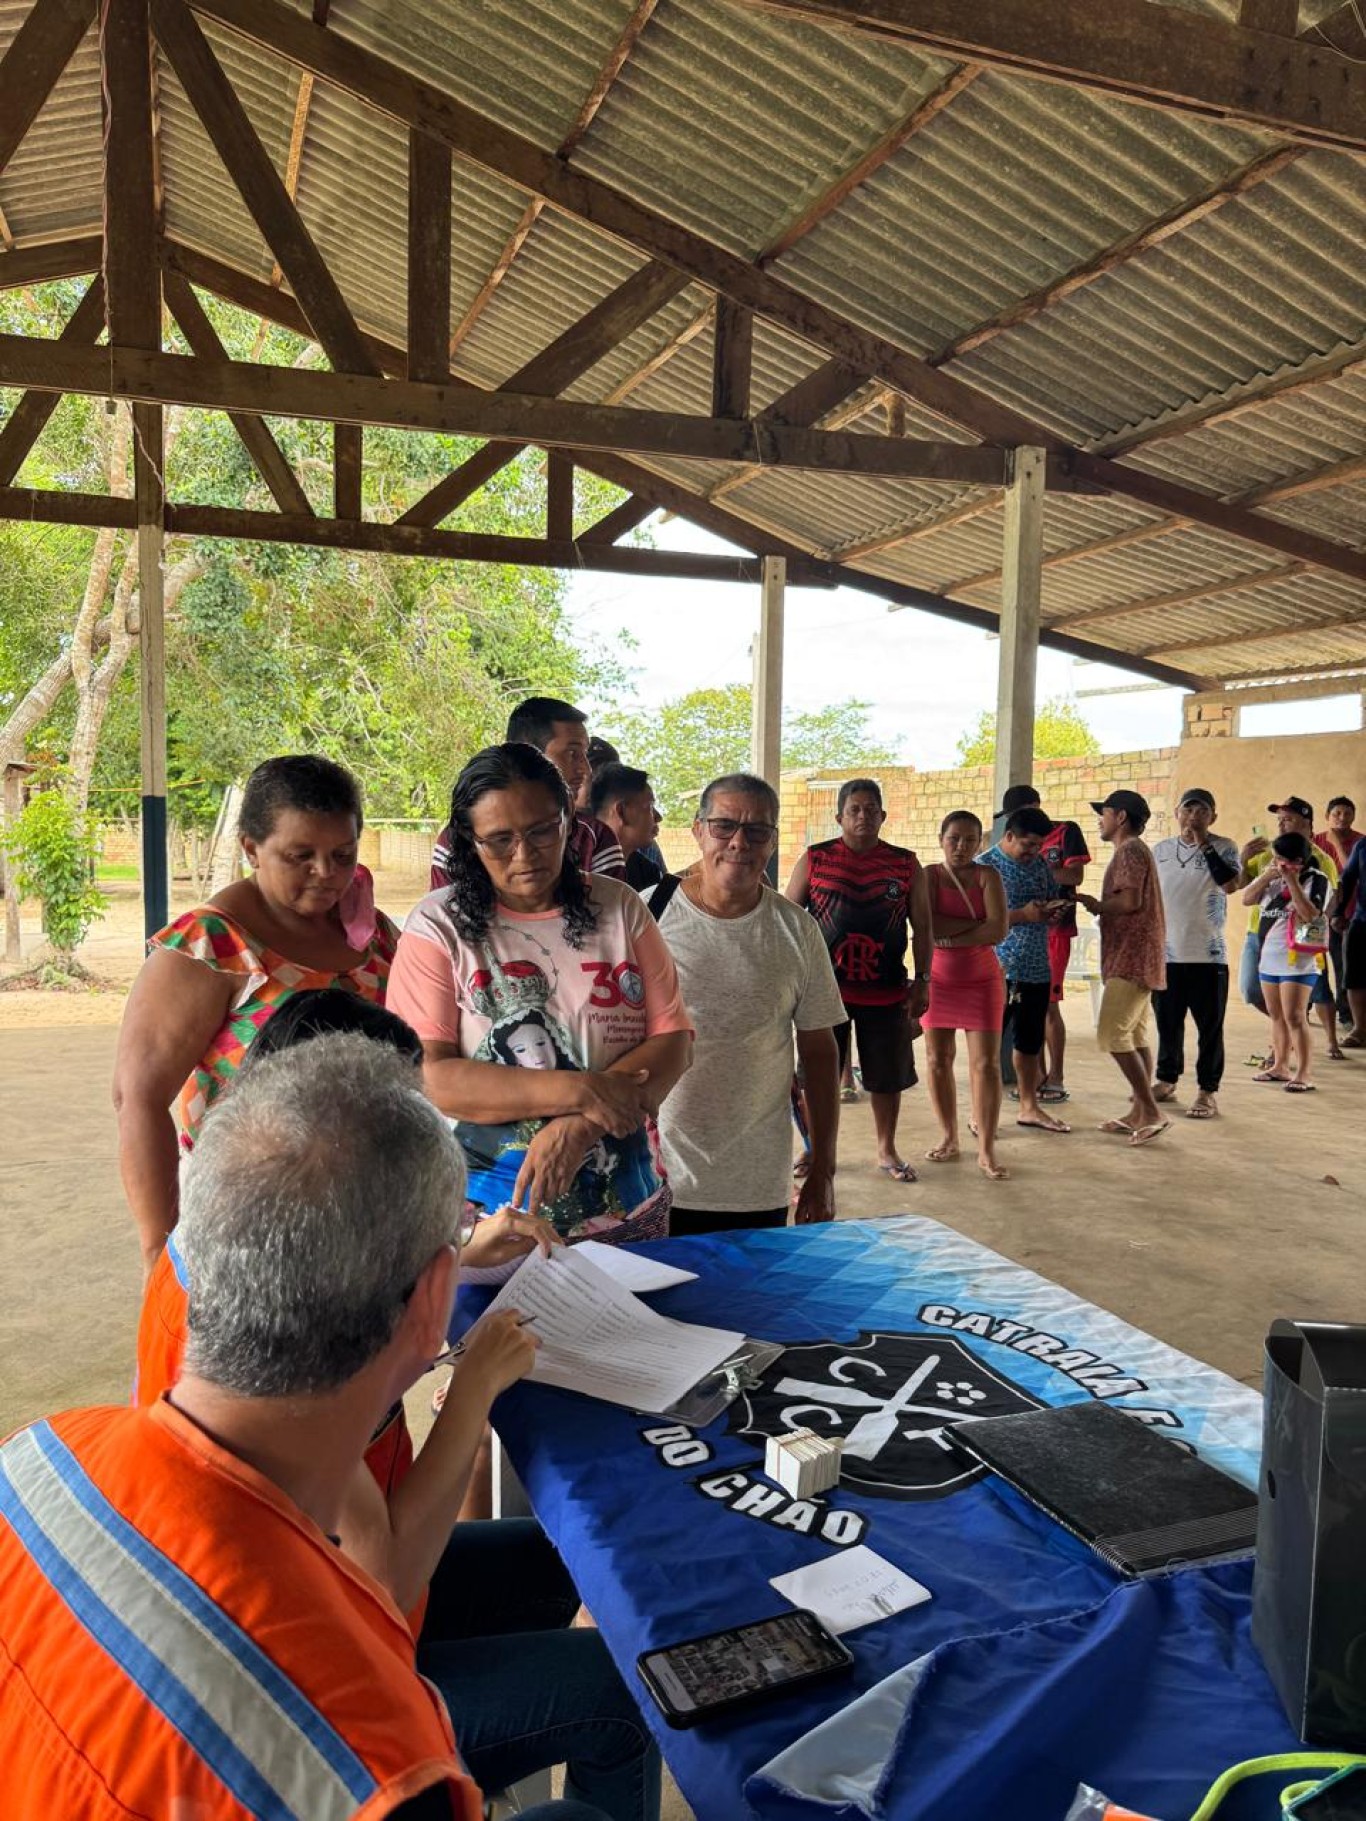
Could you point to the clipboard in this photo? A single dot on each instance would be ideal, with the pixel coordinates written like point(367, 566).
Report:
point(719, 1388)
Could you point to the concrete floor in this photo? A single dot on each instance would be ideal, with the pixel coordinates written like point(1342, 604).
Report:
point(1201, 1238)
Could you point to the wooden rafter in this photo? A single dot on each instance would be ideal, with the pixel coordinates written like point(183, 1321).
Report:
point(349, 398)
point(1175, 221)
point(1180, 597)
point(49, 259)
point(25, 423)
point(267, 455)
point(631, 512)
point(132, 281)
point(429, 258)
point(870, 163)
point(39, 506)
point(261, 187)
point(1278, 16)
point(551, 371)
point(602, 83)
point(38, 53)
point(646, 487)
point(910, 534)
point(1337, 622)
point(1161, 56)
point(810, 217)
point(732, 354)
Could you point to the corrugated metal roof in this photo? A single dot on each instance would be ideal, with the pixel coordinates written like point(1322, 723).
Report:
point(734, 123)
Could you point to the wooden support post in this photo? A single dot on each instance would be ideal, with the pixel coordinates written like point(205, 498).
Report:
point(731, 356)
point(766, 711)
point(348, 449)
point(429, 258)
point(559, 495)
point(131, 270)
point(149, 492)
point(1021, 583)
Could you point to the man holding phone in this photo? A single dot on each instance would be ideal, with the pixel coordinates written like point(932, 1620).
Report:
point(1032, 907)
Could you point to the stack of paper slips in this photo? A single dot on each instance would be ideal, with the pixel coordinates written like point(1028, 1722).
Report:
point(802, 1462)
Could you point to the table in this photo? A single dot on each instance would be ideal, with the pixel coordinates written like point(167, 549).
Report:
point(1044, 1668)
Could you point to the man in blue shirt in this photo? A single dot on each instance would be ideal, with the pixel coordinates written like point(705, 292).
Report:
point(1032, 907)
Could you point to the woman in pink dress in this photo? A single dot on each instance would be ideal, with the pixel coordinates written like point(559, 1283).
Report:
point(967, 990)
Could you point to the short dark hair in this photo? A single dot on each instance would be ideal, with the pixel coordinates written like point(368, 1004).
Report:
point(301, 781)
point(1340, 802)
point(740, 784)
point(532, 723)
point(865, 786)
point(614, 781)
point(601, 752)
point(1019, 796)
point(1293, 847)
point(331, 1011)
point(960, 815)
point(1027, 821)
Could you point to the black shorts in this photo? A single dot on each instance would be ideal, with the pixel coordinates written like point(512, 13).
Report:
point(1354, 956)
point(1027, 1004)
point(886, 1053)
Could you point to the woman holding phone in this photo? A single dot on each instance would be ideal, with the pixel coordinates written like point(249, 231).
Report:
point(1292, 894)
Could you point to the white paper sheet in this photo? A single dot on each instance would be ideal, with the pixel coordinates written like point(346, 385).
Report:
point(856, 1587)
point(597, 1338)
point(625, 1265)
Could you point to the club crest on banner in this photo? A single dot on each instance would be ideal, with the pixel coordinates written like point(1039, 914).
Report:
point(889, 1397)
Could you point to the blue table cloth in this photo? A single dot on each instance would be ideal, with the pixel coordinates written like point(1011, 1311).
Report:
point(1039, 1668)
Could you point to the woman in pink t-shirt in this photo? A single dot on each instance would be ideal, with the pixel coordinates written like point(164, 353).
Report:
point(548, 1008)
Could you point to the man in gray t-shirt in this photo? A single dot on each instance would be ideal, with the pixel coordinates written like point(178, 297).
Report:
point(1196, 870)
point(754, 970)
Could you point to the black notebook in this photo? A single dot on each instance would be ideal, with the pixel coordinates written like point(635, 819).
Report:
point(1142, 1503)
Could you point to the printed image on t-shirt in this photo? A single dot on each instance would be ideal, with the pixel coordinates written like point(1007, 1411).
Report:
point(616, 1175)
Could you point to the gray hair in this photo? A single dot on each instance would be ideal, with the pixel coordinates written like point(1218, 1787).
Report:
point(320, 1188)
point(739, 784)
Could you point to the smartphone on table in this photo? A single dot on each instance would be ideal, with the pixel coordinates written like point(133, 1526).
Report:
point(706, 1676)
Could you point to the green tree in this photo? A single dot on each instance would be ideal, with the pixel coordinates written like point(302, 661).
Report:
point(396, 667)
point(696, 737)
point(1061, 731)
point(52, 848)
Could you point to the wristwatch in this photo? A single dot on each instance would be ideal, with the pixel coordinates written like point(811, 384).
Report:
point(922, 980)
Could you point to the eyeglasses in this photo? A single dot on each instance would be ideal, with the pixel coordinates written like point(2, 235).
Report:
point(505, 844)
point(753, 834)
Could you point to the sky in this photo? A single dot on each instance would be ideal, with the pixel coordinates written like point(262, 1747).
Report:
point(926, 678)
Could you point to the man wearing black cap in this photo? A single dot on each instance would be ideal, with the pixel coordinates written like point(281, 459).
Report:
point(1065, 850)
point(1133, 934)
point(1196, 871)
point(1295, 816)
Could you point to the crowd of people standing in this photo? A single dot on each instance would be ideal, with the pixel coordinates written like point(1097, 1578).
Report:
point(323, 1119)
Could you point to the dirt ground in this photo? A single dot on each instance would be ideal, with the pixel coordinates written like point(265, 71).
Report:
point(1201, 1238)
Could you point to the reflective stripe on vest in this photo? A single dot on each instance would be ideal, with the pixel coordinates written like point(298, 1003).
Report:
point(173, 1252)
point(235, 1709)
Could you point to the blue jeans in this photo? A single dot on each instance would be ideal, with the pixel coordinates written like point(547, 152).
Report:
point(524, 1690)
point(1249, 973)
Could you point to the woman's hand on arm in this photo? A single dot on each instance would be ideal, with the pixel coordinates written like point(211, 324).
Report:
point(553, 1159)
point(401, 1542)
point(176, 1008)
point(665, 1060)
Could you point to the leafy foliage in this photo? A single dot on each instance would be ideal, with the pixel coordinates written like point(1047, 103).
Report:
point(1061, 731)
point(53, 850)
point(699, 736)
point(397, 667)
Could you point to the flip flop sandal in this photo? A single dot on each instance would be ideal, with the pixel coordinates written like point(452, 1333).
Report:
point(1119, 1128)
point(1202, 1110)
point(1350, 1042)
point(1053, 1096)
point(1268, 1075)
point(1300, 1087)
point(1037, 1125)
point(1335, 1054)
point(899, 1172)
point(1147, 1133)
point(848, 1095)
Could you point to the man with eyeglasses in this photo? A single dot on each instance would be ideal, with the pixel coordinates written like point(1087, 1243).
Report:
point(754, 971)
point(867, 897)
point(560, 731)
